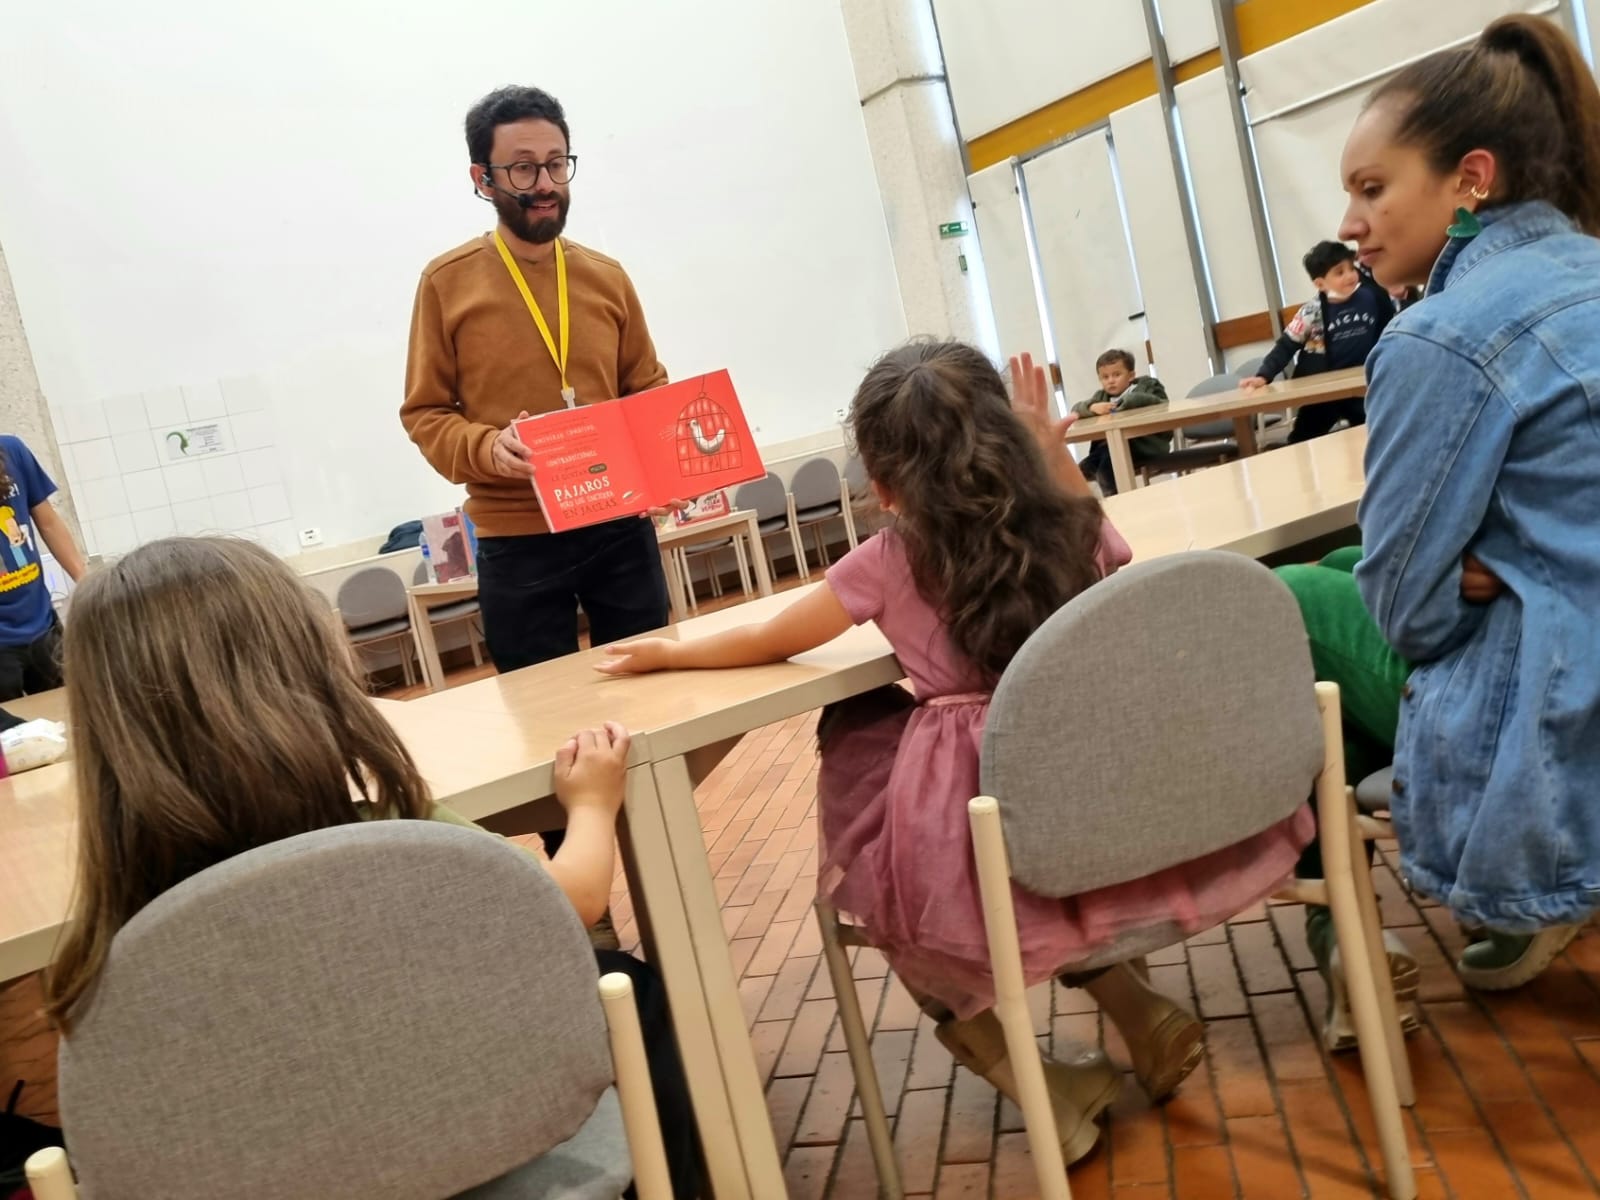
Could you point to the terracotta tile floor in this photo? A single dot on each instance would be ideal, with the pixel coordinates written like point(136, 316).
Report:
point(1508, 1086)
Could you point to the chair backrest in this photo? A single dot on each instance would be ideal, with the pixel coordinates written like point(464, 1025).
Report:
point(1248, 368)
point(384, 1009)
point(371, 595)
point(767, 497)
point(1214, 386)
point(1165, 713)
point(855, 475)
point(420, 575)
point(815, 483)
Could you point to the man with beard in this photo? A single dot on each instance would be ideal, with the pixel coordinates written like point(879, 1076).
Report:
point(519, 321)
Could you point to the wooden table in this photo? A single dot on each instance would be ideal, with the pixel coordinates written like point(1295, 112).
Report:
point(1240, 406)
point(421, 598)
point(486, 749)
point(741, 523)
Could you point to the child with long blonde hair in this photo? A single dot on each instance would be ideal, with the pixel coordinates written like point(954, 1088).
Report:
point(214, 708)
point(994, 530)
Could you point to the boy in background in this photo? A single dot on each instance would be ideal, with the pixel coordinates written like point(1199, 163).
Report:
point(1120, 391)
point(1338, 329)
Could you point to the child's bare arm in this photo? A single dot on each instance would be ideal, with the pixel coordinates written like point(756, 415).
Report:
point(809, 622)
point(591, 774)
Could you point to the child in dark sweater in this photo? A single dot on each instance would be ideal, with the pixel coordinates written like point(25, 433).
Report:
point(1120, 391)
point(1338, 329)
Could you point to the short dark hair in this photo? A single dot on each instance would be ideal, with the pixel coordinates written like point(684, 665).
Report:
point(502, 107)
point(1114, 356)
point(1325, 256)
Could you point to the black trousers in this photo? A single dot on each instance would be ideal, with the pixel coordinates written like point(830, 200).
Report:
point(666, 1071)
point(529, 590)
point(35, 667)
point(1314, 420)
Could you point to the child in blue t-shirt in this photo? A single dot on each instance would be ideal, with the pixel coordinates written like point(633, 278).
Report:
point(30, 634)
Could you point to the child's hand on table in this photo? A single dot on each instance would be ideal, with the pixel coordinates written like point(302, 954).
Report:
point(1253, 384)
point(638, 658)
point(591, 769)
point(1101, 409)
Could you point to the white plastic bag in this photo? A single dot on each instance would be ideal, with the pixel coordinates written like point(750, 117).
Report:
point(33, 744)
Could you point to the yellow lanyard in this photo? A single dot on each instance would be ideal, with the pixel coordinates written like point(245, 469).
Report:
point(560, 358)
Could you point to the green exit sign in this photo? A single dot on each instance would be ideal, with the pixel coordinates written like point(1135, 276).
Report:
point(953, 229)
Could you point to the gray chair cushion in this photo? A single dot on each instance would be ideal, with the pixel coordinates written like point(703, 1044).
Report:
point(1375, 793)
point(372, 595)
point(1191, 456)
point(394, 1009)
point(1119, 744)
point(1209, 431)
point(446, 613)
point(815, 483)
point(383, 629)
point(592, 1164)
point(768, 497)
point(822, 512)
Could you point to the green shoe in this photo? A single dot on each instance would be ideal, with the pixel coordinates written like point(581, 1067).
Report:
point(1338, 1028)
point(1502, 961)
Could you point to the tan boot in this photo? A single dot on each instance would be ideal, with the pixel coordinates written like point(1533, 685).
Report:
point(1166, 1041)
point(1079, 1091)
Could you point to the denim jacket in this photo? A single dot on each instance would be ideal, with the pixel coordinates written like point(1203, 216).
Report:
point(1483, 428)
point(1484, 436)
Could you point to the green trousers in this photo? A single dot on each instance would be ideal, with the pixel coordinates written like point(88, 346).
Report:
point(1348, 649)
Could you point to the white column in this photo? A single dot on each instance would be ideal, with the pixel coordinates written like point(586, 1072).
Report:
point(921, 173)
point(22, 408)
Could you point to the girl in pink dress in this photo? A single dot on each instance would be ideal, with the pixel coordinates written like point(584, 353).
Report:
point(994, 531)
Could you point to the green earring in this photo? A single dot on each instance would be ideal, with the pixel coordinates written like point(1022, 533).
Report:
point(1466, 224)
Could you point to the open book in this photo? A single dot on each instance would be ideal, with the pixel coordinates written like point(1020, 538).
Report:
point(621, 457)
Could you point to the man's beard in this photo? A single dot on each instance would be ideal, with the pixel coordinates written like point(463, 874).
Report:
point(522, 221)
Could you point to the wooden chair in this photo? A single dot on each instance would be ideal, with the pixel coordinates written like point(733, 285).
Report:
point(386, 1009)
point(1245, 735)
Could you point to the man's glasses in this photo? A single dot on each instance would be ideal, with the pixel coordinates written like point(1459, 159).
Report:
point(524, 176)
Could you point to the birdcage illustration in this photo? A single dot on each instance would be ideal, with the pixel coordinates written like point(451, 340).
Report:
point(707, 440)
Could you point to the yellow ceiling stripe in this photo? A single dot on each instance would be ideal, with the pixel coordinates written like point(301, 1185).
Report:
point(1261, 23)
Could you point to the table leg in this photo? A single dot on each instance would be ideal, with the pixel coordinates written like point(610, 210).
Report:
point(758, 556)
point(675, 597)
point(751, 1128)
point(1121, 460)
point(427, 645)
point(676, 949)
point(1244, 432)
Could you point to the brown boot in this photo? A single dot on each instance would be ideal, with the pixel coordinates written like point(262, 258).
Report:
point(1166, 1041)
point(1079, 1091)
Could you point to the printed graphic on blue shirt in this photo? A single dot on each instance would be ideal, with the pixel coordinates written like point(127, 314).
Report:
point(24, 600)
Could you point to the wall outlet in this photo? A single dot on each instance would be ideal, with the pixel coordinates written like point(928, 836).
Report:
point(310, 537)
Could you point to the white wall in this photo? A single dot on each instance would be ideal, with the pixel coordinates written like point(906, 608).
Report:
point(1006, 58)
point(227, 207)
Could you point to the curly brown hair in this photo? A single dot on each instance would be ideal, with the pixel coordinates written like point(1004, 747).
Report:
point(994, 544)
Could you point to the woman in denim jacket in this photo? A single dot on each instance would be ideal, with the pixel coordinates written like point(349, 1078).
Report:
point(1477, 171)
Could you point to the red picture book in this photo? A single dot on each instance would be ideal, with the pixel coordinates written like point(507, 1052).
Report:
point(618, 458)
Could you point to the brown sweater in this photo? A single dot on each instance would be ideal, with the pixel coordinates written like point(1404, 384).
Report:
point(477, 360)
